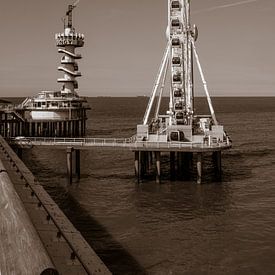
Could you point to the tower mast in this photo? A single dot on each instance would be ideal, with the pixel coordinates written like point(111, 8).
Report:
point(67, 42)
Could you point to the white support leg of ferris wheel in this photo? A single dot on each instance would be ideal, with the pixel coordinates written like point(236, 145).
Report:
point(204, 84)
point(161, 89)
point(156, 85)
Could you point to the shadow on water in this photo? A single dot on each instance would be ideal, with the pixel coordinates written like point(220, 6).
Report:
point(112, 253)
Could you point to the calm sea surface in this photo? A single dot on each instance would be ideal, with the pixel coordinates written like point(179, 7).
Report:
point(176, 227)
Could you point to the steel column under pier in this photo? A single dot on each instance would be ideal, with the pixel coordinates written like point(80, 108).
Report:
point(77, 163)
point(144, 162)
point(172, 165)
point(158, 167)
point(70, 164)
point(137, 164)
point(217, 161)
point(187, 165)
point(199, 168)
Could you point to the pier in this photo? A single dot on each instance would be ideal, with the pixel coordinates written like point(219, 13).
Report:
point(182, 154)
point(60, 113)
point(57, 119)
point(62, 248)
point(13, 122)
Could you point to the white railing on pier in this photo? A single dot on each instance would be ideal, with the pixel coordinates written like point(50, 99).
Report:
point(130, 143)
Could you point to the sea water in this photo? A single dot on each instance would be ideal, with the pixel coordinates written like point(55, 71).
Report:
point(177, 227)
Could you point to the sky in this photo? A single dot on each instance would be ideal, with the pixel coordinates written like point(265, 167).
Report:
point(124, 43)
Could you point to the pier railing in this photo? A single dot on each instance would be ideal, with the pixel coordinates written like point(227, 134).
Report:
point(112, 142)
point(129, 143)
point(79, 253)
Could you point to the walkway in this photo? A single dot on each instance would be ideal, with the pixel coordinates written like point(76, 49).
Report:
point(121, 143)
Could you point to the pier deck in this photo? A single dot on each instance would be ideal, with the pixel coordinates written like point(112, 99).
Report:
point(142, 149)
point(68, 250)
point(120, 143)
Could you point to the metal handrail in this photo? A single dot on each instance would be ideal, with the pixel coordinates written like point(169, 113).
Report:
point(130, 143)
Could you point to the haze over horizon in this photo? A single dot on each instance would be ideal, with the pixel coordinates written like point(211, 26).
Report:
point(124, 43)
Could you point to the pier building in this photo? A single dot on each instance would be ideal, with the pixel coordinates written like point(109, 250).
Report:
point(53, 113)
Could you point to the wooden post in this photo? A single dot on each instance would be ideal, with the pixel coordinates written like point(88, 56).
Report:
point(199, 168)
point(70, 164)
point(77, 163)
point(172, 165)
point(158, 167)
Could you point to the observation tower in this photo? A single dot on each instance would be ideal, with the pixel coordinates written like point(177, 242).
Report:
point(59, 113)
point(68, 41)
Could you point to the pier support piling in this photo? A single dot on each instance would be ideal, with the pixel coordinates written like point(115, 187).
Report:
point(187, 165)
point(217, 160)
point(137, 165)
point(199, 168)
point(142, 164)
point(172, 165)
point(77, 163)
point(70, 164)
point(158, 167)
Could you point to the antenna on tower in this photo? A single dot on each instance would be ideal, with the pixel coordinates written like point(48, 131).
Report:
point(70, 14)
point(75, 3)
point(63, 19)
